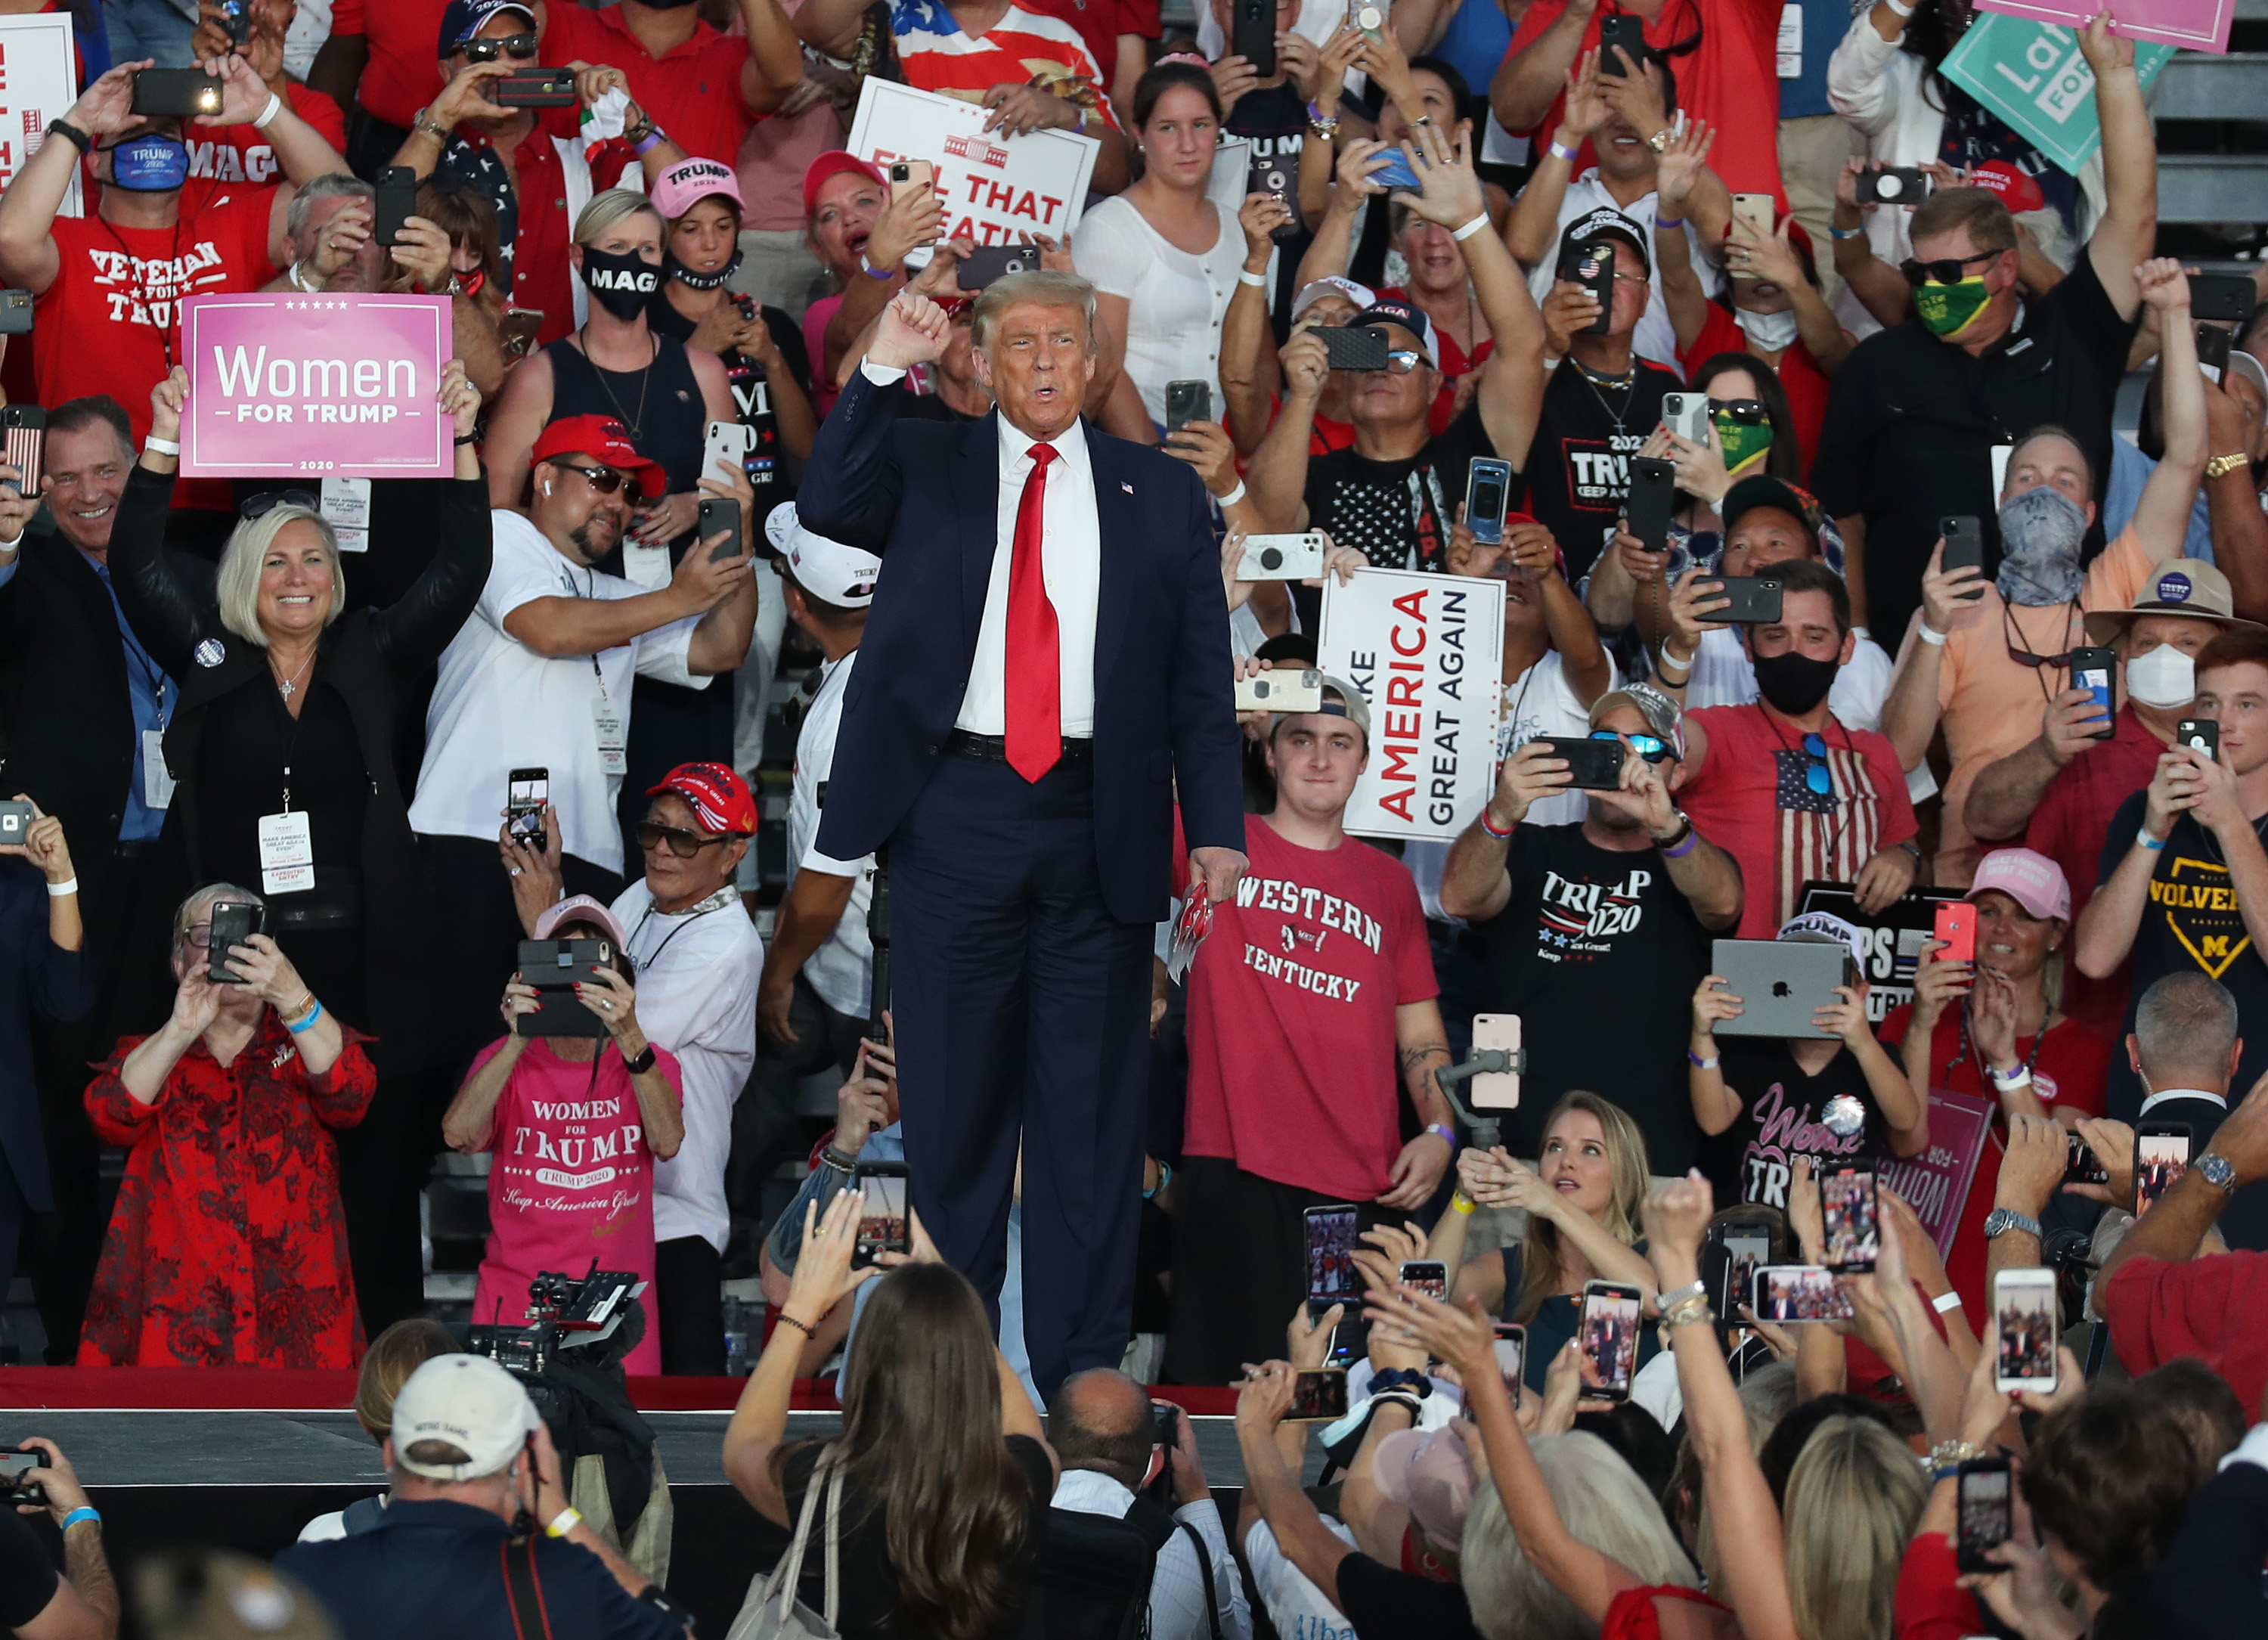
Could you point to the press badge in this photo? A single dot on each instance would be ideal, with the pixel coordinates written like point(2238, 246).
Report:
point(346, 509)
point(1789, 52)
point(157, 779)
point(645, 564)
point(612, 734)
point(287, 853)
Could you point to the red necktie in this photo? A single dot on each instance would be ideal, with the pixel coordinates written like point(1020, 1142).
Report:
point(1033, 670)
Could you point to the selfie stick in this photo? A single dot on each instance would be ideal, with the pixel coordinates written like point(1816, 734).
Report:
point(878, 931)
point(1485, 1129)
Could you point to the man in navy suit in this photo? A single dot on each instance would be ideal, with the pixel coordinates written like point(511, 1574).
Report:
point(1045, 661)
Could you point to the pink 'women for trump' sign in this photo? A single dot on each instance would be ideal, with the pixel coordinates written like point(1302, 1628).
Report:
point(319, 386)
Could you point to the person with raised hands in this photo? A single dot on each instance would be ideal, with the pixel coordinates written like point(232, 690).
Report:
point(1251, 379)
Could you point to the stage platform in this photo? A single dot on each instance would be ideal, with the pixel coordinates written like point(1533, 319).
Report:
point(245, 1459)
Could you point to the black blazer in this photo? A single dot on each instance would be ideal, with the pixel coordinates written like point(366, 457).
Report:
point(63, 698)
point(925, 495)
point(366, 653)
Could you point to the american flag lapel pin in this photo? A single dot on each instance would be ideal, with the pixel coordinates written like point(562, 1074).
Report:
point(1128, 488)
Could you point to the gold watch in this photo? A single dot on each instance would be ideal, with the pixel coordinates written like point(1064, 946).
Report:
point(2221, 466)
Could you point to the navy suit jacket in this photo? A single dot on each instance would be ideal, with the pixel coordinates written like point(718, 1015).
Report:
point(926, 497)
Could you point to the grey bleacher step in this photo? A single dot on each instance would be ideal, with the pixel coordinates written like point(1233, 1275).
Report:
point(2213, 188)
point(2199, 86)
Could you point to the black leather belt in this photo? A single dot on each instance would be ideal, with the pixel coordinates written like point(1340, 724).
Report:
point(994, 748)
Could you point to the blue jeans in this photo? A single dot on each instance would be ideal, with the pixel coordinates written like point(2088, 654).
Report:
point(150, 28)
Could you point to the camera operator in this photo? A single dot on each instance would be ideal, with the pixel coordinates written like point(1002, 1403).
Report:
point(473, 1474)
point(35, 1603)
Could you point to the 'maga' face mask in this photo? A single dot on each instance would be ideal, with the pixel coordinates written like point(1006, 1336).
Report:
point(620, 281)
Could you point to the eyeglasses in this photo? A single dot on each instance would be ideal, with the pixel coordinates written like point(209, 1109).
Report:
point(1946, 270)
point(1816, 776)
point(683, 843)
point(604, 480)
point(199, 936)
point(1652, 748)
point(1748, 412)
point(522, 47)
point(1402, 360)
point(261, 506)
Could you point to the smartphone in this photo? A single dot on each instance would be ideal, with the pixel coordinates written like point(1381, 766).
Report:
point(1964, 546)
point(1652, 497)
point(534, 88)
point(2201, 734)
point(182, 93)
point(910, 176)
point(1283, 557)
point(1893, 185)
point(2024, 1330)
point(1755, 600)
point(236, 17)
point(1756, 210)
point(719, 512)
point(15, 824)
point(1253, 34)
point(1511, 1356)
point(554, 967)
point(728, 445)
point(1355, 347)
point(883, 1226)
point(2097, 670)
point(1790, 1294)
point(1987, 1517)
point(1626, 30)
point(2162, 1156)
point(1429, 1277)
point(526, 793)
point(1281, 691)
point(1187, 401)
point(15, 1463)
point(1846, 1202)
point(1396, 172)
point(397, 201)
point(1276, 177)
point(23, 445)
point(1318, 1397)
point(1956, 929)
point(1332, 1278)
point(517, 331)
point(2212, 345)
point(1744, 1247)
point(1495, 1089)
point(16, 312)
point(1595, 765)
point(2229, 297)
point(1370, 16)
point(1593, 266)
point(233, 923)
point(1607, 1344)
point(1488, 491)
point(2080, 1164)
point(1687, 414)
point(988, 262)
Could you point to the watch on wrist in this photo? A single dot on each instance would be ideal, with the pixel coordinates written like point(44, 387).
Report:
point(2000, 1220)
point(2221, 466)
point(642, 1063)
point(2218, 1170)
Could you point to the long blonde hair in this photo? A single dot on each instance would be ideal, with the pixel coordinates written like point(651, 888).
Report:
point(1541, 1251)
point(1852, 1499)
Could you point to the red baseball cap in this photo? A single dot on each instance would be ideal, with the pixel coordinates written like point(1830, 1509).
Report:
point(720, 798)
point(833, 162)
point(602, 438)
point(2017, 191)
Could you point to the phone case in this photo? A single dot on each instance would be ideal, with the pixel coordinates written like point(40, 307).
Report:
point(1254, 34)
point(1495, 1089)
point(1956, 926)
point(1356, 347)
point(1488, 492)
point(1755, 600)
point(1652, 498)
point(1595, 765)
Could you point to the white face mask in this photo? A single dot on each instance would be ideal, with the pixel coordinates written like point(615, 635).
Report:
point(1772, 331)
point(2165, 677)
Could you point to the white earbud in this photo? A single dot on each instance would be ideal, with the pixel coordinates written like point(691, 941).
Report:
point(547, 487)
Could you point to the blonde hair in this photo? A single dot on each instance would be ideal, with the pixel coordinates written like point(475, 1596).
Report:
point(1043, 287)
point(610, 206)
point(1852, 1499)
point(1604, 1506)
point(393, 1355)
point(1542, 1252)
point(185, 914)
point(241, 563)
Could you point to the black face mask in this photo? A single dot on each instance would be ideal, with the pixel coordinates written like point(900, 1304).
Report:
point(620, 281)
point(673, 268)
point(1793, 683)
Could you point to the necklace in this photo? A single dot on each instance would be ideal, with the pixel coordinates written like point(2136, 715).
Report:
point(1627, 381)
point(633, 424)
point(286, 686)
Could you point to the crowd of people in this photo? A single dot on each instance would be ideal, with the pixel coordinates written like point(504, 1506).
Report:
point(351, 823)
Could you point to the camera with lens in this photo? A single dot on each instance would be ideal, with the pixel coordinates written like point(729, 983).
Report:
point(564, 1313)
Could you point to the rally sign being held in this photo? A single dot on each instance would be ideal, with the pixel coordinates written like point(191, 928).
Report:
point(1425, 651)
point(996, 189)
point(39, 82)
point(2031, 73)
point(2199, 24)
point(1935, 1183)
point(324, 386)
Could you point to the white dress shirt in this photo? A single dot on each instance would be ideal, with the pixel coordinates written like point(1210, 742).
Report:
point(1177, 1603)
point(841, 971)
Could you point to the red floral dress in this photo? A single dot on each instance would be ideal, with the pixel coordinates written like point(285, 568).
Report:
point(228, 1247)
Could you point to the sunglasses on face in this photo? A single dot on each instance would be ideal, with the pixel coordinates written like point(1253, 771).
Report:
point(1652, 748)
point(1946, 270)
point(1748, 412)
point(603, 480)
point(683, 843)
point(1400, 361)
point(521, 47)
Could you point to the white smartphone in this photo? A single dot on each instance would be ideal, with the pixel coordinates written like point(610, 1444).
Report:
point(1282, 557)
point(1281, 691)
point(725, 442)
point(1687, 414)
point(1495, 1089)
point(1756, 210)
point(2024, 1330)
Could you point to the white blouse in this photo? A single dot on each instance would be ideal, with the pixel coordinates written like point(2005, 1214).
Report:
point(1175, 301)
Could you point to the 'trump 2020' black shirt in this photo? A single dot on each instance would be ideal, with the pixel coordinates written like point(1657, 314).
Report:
point(1579, 463)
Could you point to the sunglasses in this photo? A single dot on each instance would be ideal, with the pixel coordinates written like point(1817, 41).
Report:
point(261, 506)
point(1816, 776)
point(1747, 412)
point(604, 480)
point(683, 843)
point(1402, 360)
point(522, 47)
point(1652, 748)
point(1946, 270)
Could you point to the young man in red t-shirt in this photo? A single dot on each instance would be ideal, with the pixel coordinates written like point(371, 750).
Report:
point(1310, 991)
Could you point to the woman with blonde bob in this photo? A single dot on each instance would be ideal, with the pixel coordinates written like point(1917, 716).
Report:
point(1582, 1209)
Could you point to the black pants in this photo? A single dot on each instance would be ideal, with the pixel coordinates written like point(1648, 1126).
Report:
point(688, 1307)
point(764, 1116)
point(1240, 1268)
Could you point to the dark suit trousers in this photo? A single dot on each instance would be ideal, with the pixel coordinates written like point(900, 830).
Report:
point(1022, 1009)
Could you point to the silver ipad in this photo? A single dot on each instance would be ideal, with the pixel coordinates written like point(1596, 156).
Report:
point(1781, 983)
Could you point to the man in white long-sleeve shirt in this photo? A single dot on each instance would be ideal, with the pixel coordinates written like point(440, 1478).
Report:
point(1104, 1430)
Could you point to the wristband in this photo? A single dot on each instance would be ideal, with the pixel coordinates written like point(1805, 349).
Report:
point(1491, 830)
point(1711, 1063)
point(2144, 841)
point(308, 1024)
point(1165, 1177)
point(1560, 150)
point(872, 271)
point(1945, 1303)
point(1258, 281)
point(1472, 227)
point(72, 134)
point(1834, 232)
point(62, 890)
point(464, 439)
point(1461, 1204)
point(2009, 1081)
point(1693, 841)
point(653, 138)
point(80, 1517)
point(163, 447)
point(1662, 660)
point(274, 106)
point(785, 1320)
point(841, 1163)
point(1668, 222)
point(1233, 497)
point(1408, 1379)
point(1931, 636)
point(563, 1523)
point(1902, 11)
point(1446, 1132)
